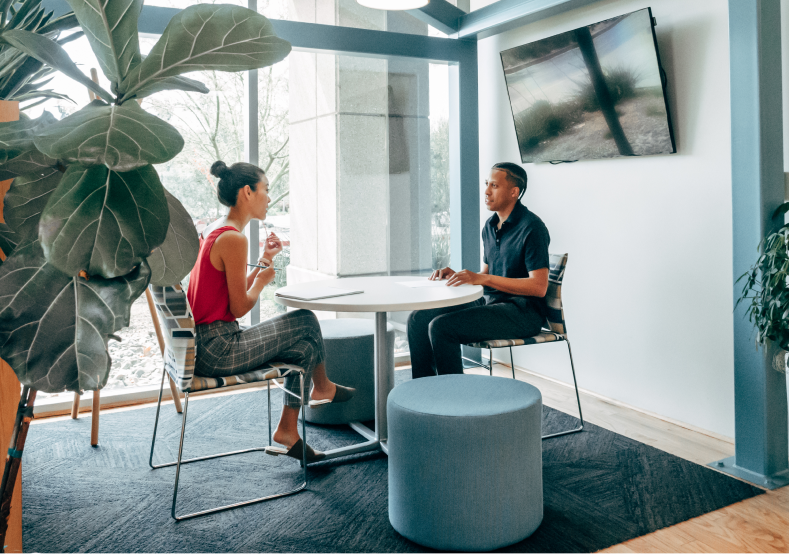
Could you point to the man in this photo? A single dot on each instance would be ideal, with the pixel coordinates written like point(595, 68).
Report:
point(514, 276)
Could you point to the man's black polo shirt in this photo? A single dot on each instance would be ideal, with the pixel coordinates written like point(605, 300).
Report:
point(520, 246)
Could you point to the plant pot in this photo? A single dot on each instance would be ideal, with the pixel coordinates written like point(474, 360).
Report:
point(10, 388)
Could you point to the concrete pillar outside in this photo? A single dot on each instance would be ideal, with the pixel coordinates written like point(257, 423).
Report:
point(359, 153)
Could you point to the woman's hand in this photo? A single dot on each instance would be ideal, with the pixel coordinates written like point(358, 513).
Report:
point(265, 277)
point(273, 246)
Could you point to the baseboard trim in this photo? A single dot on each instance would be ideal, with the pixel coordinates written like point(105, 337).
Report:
point(620, 404)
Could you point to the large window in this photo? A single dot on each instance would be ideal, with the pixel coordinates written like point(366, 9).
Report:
point(369, 168)
point(356, 149)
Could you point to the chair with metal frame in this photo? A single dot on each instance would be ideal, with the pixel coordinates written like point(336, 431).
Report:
point(557, 331)
point(175, 316)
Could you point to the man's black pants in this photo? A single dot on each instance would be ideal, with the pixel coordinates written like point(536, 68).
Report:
point(435, 335)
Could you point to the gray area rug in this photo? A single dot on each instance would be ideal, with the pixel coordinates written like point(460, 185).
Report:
point(600, 488)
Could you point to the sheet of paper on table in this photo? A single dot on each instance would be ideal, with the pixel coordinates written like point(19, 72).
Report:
point(315, 293)
point(423, 283)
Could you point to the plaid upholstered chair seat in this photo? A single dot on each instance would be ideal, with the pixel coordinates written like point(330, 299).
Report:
point(544, 337)
point(268, 371)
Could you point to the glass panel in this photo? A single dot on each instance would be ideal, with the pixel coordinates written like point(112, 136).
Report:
point(181, 4)
point(213, 129)
point(273, 9)
point(369, 152)
point(349, 13)
point(477, 4)
point(80, 52)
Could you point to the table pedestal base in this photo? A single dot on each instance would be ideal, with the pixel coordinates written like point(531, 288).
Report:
point(384, 383)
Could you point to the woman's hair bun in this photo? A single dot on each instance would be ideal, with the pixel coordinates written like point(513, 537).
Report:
point(219, 169)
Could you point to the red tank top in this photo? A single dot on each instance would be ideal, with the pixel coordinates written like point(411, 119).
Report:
point(208, 294)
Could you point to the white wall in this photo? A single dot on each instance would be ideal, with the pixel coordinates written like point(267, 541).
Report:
point(648, 288)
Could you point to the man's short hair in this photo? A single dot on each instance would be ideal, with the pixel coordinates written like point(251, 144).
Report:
point(516, 173)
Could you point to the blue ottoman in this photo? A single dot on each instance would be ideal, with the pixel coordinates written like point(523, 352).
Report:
point(349, 362)
point(465, 461)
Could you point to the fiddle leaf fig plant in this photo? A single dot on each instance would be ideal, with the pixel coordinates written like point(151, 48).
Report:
point(122, 138)
point(18, 154)
point(88, 222)
point(57, 339)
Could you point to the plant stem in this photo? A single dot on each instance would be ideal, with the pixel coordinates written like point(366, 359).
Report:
point(24, 414)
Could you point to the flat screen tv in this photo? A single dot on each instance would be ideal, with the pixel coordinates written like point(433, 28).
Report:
point(594, 92)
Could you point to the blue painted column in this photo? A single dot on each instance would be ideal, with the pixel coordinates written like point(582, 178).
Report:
point(757, 189)
point(464, 190)
point(464, 193)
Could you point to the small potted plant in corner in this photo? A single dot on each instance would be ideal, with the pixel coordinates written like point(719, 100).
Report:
point(88, 223)
point(767, 290)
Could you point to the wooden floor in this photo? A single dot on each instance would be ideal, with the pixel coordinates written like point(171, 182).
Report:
point(757, 525)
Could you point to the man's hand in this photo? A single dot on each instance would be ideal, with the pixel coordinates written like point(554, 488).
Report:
point(273, 246)
point(443, 273)
point(466, 277)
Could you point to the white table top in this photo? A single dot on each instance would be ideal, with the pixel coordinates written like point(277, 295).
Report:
point(382, 294)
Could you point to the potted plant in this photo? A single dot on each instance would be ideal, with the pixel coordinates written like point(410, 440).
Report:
point(767, 290)
point(88, 223)
point(22, 80)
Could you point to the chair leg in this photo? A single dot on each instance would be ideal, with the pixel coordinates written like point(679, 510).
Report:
point(475, 363)
point(177, 463)
point(94, 419)
point(512, 363)
point(75, 406)
point(156, 422)
point(176, 395)
point(577, 398)
point(180, 454)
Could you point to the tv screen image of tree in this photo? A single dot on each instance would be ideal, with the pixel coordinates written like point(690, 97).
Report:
point(594, 92)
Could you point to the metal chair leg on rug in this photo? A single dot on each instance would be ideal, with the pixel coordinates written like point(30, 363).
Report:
point(512, 364)
point(577, 398)
point(177, 463)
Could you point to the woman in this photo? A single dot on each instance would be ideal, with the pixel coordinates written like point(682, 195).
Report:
point(220, 291)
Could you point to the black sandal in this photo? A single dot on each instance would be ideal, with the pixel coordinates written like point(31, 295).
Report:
point(296, 452)
point(342, 395)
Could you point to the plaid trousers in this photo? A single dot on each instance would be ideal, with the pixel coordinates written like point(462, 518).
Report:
point(223, 349)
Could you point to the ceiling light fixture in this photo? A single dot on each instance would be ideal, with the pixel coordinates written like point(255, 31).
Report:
point(394, 4)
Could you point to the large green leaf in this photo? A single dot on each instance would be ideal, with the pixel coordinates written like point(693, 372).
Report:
point(102, 221)
point(178, 83)
point(48, 51)
point(208, 37)
point(26, 200)
point(16, 137)
point(111, 28)
point(174, 258)
point(18, 153)
point(8, 240)
point(54, 328)
point(120, 137)
point(32, 162)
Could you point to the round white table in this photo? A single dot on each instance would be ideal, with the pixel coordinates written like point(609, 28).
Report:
point(381, 294)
